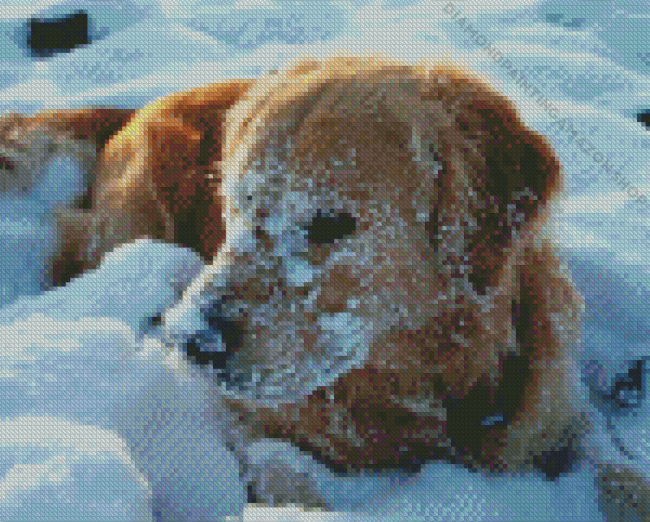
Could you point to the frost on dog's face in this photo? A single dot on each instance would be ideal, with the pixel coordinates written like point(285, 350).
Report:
point(310, 279)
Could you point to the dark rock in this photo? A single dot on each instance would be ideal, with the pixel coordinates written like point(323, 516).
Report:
point(48, 36)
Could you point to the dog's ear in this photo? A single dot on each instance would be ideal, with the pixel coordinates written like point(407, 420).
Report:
point(157, 178)
point(204, 110)
point(183, 136)
point(514, 173)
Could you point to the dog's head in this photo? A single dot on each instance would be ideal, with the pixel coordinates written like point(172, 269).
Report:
point(372, 212)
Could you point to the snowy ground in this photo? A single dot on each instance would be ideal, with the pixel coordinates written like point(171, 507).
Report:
point(80, 371)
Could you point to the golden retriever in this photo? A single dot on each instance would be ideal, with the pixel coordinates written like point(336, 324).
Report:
point(380, 290)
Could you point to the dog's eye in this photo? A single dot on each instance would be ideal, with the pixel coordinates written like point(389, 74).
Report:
point(328, 228)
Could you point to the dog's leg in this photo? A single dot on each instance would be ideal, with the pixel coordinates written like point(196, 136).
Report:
point(547, 312)
point(74, 231)
point(29, 143)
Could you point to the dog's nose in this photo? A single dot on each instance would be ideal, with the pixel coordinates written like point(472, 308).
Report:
point(231, 332)
point(215, 346)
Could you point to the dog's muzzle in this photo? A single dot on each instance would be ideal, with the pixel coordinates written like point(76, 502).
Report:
point(198, 325)
point(211, 342)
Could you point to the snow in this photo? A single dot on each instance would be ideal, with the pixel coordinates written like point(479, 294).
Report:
point(81, 364)
point(97, 419)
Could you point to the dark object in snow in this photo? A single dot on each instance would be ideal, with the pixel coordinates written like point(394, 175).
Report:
point(627, 390)
point(48, 36)
point(250, 494)
point(643, 117)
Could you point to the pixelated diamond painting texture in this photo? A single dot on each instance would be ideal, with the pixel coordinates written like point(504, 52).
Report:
point(329, 260)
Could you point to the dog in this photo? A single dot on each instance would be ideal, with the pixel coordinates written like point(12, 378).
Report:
point(380, 291)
